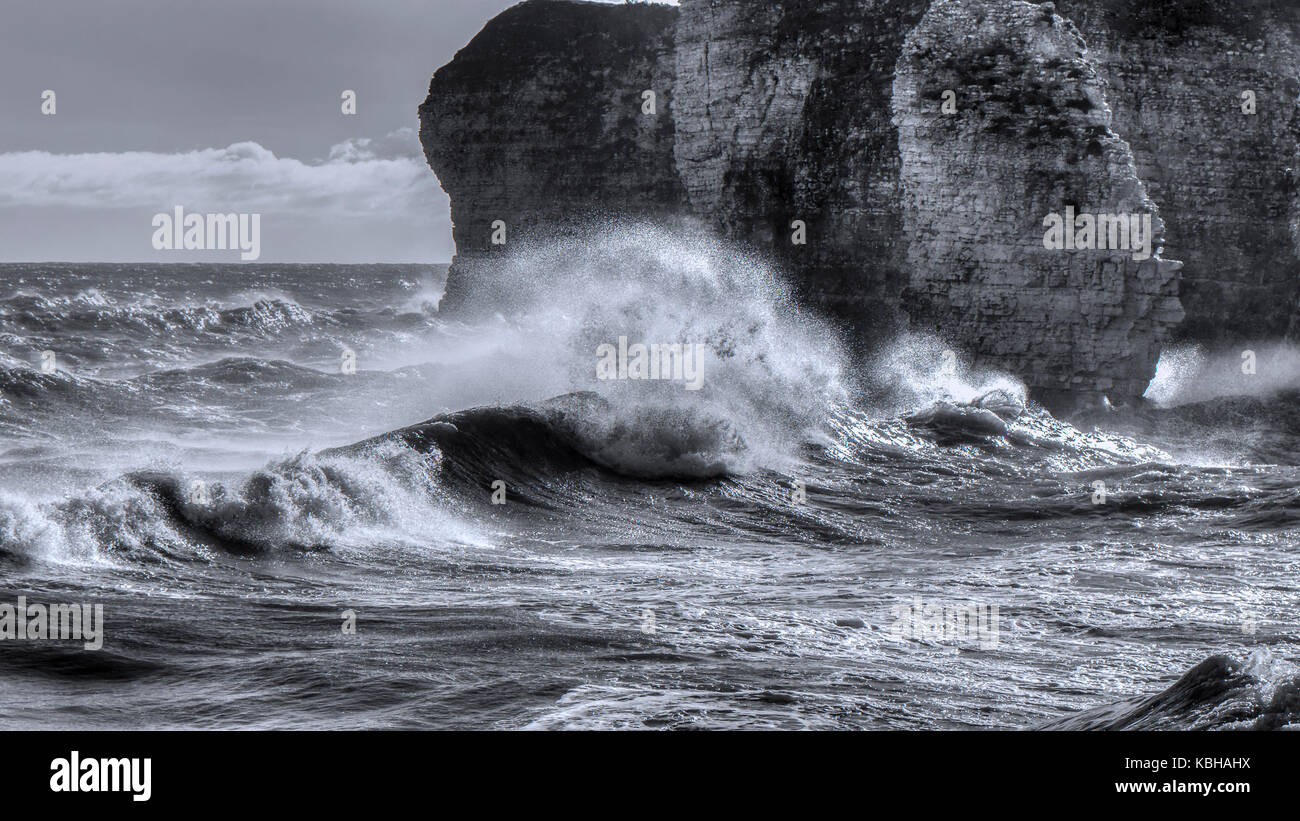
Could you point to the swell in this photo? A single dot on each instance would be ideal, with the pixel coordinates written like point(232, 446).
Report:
point(28, 313)
point(66, 406)
point(566, 458)
point(1220, 693)
point(425, 483)
point(123, 340)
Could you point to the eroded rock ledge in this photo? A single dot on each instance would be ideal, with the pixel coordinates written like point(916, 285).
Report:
point(830, 112)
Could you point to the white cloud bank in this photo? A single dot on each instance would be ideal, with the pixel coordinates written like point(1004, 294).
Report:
point(360, 178)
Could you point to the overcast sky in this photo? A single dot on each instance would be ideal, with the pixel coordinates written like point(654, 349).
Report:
point(230, 106)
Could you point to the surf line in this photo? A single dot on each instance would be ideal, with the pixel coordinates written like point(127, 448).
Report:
point(670, 362)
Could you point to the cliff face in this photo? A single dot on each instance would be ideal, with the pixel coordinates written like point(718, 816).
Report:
point(783, 114)
point(1029, 136)
point(539, 123)
point(1225, 180)
point(830, 112)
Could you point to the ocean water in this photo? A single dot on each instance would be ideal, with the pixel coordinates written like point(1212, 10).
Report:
point(748, 555)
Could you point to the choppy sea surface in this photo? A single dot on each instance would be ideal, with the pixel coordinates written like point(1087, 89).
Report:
point(756, 554)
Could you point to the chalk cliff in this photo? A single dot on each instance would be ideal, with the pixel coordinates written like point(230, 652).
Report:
point(1225, 180)
point(1030, 136)
point(783, 114)
point(538, 124)
point(831, 113)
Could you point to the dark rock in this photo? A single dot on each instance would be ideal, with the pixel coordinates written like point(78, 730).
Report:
point(828, 111)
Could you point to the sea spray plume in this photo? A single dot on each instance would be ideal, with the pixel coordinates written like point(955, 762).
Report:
point(1231, 405)
point(922, 392)
point(1191, 373)
point(917, 370)
point(770, 371)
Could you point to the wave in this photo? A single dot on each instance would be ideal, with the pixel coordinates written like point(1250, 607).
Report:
point(415, 485)
point(770, 370)
point(382, 493)
point(25, 313)
point(31, 400)
point(121, 341)
point(1231, 429)
point(1220, 693)
point(580, 430)
point(571, 454)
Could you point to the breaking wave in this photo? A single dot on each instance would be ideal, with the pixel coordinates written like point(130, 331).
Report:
point(771, 370)
point(1221, 693)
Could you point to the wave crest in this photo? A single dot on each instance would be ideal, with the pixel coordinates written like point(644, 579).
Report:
point(771, 370)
